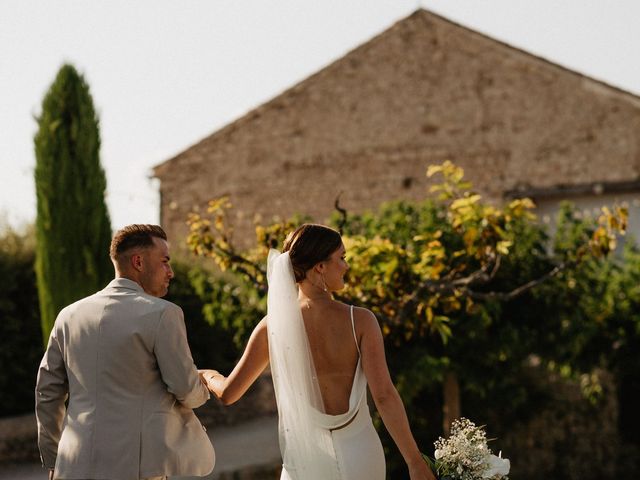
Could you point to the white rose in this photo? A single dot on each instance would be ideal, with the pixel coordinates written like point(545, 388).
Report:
point(497, 466)
point(438, 454)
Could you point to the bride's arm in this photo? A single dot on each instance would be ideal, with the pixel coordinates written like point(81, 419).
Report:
point(254, 360)
point(386, 397)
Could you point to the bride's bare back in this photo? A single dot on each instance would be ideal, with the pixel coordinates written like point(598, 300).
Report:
point(334, 351)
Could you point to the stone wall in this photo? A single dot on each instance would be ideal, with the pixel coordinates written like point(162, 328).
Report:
point(259, 401)
point(253, 473)
point(18, 439)
point(18, 435)
point(424, 91)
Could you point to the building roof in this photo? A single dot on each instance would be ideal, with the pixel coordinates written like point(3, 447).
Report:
point(420, 15)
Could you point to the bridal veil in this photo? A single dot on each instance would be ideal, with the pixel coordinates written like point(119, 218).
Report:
point(307, 447)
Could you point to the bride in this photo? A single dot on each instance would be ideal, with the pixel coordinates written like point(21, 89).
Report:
point(322, 355)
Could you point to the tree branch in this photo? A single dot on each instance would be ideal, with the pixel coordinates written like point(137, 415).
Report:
point(237, 261)
point(516, 292)
point(481, 276)
point(342, 211)
point(462, 285)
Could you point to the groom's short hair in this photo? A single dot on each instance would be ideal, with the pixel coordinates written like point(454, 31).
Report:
point(134, 236)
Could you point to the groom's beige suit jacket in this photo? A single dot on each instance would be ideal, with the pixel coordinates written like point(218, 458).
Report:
point(122, 359)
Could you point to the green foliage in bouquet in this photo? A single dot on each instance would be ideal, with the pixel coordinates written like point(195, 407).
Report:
point(465, 455)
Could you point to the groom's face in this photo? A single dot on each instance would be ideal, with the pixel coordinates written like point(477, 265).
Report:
point(156, 273)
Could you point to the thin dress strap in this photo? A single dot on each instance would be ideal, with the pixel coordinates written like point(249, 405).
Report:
point(353, 327)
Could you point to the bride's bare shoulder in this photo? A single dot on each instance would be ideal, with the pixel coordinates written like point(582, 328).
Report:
point(261, 327)
point(364, 318)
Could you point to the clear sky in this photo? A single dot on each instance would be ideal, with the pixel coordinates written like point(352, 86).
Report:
point(164, 74)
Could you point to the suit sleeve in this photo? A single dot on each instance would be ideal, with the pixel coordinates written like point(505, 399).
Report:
point(175, 362)
point(52, 389)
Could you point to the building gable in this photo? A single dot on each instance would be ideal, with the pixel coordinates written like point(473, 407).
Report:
point(423, 91)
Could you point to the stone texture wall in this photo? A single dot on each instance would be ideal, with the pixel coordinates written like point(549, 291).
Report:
point(18, 435)
point(259, 401)
point(253, 473)
point(367, 126)
point(18, 439)
point(424, 91)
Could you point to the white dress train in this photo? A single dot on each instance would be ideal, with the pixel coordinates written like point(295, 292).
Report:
point(356, 452)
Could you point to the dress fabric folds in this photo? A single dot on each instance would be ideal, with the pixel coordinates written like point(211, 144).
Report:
point(358, 453)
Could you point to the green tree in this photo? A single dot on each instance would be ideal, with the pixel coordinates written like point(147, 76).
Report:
point(451, 281)
point(209, 303)
point(73, 229)
point(432, 268)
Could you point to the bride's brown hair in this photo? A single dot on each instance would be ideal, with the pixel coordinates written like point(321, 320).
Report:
point(309, 245)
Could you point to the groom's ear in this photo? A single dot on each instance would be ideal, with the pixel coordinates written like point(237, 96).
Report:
point(136, 261)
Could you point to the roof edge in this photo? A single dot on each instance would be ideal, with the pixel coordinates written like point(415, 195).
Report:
point(602, 86)
point(566, 191)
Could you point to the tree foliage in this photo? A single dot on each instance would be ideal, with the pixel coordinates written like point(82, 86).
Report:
point(20, 346)
point(73, 229)
point(463, 289)
point(209, 303)
point(419, 265)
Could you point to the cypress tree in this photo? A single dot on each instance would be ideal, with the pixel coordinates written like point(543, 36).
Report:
point(73, 230)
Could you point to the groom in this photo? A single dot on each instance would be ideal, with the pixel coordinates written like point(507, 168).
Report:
point(122, 360)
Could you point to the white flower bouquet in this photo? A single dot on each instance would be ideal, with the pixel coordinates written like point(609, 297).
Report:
point(465, 455)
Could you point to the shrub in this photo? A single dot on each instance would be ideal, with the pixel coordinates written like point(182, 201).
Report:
point(20, 335)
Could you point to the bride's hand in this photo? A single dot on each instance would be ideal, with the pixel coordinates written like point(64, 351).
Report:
point(201, 374)
point(212, 380)
point(206, 375)
point(420, 471)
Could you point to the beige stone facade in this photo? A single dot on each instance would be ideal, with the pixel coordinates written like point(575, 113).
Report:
point(423, 91)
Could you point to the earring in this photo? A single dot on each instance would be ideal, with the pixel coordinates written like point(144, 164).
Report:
point(324, 284)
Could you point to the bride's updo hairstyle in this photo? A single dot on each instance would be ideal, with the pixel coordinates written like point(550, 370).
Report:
point(309, 245)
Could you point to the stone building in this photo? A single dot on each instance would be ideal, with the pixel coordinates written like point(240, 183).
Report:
point(424, 91)
point(421, 92)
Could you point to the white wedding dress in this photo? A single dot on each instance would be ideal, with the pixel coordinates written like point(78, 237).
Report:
point(314, 445)
point(357, 451)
